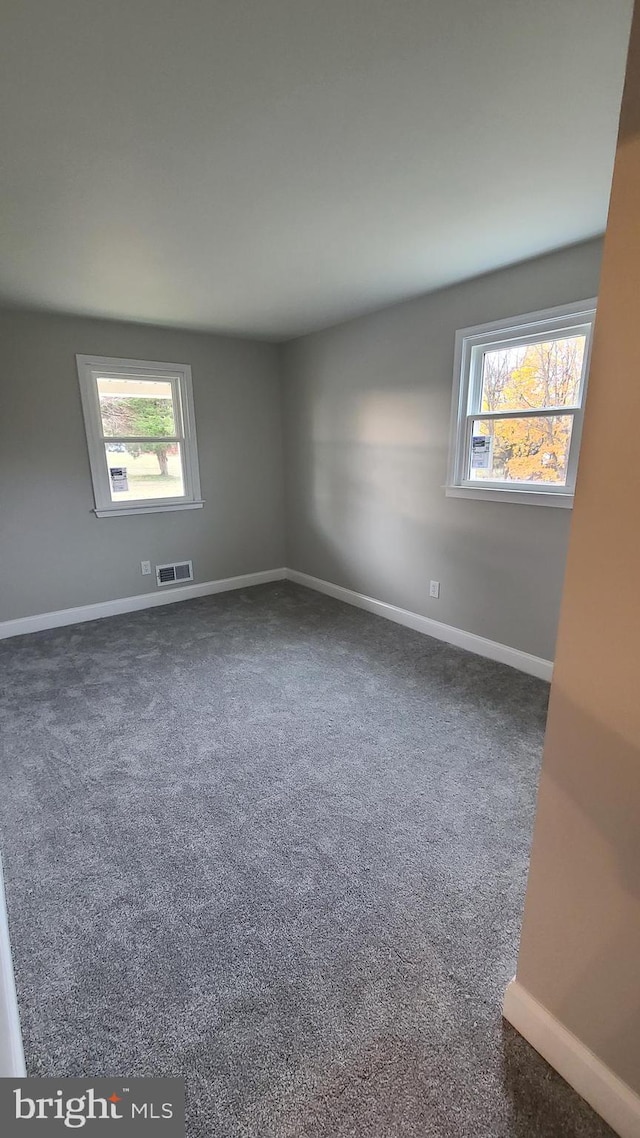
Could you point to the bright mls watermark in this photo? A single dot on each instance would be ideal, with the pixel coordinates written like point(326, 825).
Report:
point(137, 1107)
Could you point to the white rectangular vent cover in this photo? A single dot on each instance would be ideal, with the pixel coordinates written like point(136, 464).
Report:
point(174, 572)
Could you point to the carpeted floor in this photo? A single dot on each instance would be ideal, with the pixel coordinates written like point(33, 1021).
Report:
point(278, 845)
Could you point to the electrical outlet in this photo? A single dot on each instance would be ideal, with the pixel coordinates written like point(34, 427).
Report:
point(434, 589)
point(145, 567)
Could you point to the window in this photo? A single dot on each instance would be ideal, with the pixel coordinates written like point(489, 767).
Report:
point(141, 435)
point(519, 388)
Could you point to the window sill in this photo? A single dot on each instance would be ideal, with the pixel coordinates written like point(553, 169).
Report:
point(121, 511)
point(522, 497)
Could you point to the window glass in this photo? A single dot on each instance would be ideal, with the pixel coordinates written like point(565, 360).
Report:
point(144, 470)
point(130, 408)
point(530, 450)
point(530, 377)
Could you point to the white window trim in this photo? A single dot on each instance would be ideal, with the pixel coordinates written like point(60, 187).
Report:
point(533, 325)
point(180, 376)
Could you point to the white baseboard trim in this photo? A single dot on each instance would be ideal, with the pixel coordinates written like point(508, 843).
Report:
point(533, 665)
point(11, 1051)
point(609, 1096)
point(523, 661)
point(164, 596)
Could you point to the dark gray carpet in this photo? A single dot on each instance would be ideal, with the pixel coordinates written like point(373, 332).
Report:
point(278, 845)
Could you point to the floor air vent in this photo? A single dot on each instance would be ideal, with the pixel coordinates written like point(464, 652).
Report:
point(176, 571)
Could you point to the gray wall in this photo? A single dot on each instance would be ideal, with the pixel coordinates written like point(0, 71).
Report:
point(54, 552)
point(366, 413)
point(366, 416)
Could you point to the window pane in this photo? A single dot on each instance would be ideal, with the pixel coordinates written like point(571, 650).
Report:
point(139, 470)
point(529, 377)
point(136, 408)
point(521, 450)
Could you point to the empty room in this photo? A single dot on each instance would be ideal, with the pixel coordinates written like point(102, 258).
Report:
point(319, 546)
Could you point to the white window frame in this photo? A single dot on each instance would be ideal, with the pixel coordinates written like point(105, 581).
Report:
point(471, 343)
point(179, 375)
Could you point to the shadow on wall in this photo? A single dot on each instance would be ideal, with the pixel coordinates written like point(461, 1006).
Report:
point(377, 520)
point(383, 435)
point(374, 465)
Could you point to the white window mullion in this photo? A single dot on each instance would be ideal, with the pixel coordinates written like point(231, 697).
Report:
point(135, 440)
point(535, 413)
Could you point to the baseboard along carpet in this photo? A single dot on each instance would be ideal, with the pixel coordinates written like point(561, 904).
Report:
point(278, 845)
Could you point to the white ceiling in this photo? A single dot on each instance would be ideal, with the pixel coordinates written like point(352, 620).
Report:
point(272, 166)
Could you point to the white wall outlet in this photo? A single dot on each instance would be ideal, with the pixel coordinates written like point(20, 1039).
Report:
point(434, 589)
point(145, 567)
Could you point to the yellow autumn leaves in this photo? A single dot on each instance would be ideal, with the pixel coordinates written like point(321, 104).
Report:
point(538, 376)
